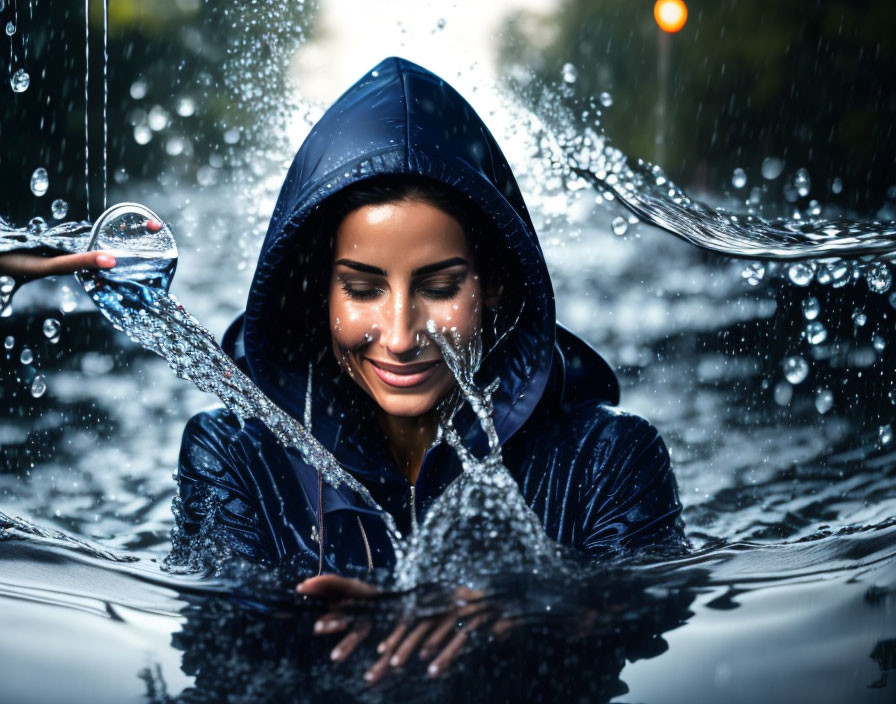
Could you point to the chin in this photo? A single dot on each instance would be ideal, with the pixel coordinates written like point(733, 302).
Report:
point(408, 406)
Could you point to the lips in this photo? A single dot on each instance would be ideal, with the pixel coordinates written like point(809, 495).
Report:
point(404, 375)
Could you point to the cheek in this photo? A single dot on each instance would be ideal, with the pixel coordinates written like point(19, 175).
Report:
point(351, 324)
point(463, 313)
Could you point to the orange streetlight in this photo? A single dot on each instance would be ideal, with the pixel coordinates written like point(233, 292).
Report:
point(670, 15)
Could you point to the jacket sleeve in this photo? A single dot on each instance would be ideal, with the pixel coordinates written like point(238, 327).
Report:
point(214, 510)
point(630, 500)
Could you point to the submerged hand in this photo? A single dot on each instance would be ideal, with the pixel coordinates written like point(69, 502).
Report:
point(25, 267)
point(439, 637)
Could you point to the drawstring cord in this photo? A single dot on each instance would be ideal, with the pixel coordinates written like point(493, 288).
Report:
point(320, 479)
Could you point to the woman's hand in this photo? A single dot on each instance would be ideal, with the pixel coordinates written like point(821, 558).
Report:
point(442, 636)
point(26, 267)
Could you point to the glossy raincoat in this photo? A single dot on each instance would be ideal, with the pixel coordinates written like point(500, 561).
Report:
point(599, 479)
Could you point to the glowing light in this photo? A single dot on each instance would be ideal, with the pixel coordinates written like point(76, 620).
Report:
point(670, 15)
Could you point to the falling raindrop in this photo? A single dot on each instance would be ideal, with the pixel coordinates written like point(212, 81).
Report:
point(772, 167)
point(836, 186)
point(816, 333)
point(739, 178)
point(27, 356)
point(59, 208)
point(824, 400)
point(885, 435)
point(51, 329)
point(753, 273)
point(569, 73)
point(796, 369)
point(783, 393)
point(40, 182)
point(441, 23)
point(9, 342)
point(811, 308)
point(606, 99)
point(38, 386)
point(859, 318)
point(800, 274)
point(10, 28)
point(880, 344)
point(7, 284)
point(619, 225)
point(157, 118)
point(801, 182)
point(186, 106)
point(142, 134)
point(138, 89)
point(20, 81)
point(69, 302)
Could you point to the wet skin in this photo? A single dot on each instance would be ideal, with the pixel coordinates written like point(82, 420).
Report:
point(26, 267)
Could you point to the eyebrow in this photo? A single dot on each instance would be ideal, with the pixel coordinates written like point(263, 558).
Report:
point(422, 271)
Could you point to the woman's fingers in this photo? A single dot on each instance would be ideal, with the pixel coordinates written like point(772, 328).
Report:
point(410, 643)
point(444, 659)
point(388, 645)
point(346, 646)
point(30, 266)
point(432, 643)
point(332, 586)
point(331, 623)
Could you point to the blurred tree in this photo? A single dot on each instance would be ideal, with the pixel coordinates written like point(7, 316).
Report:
point(191, 85)
point(811, 83)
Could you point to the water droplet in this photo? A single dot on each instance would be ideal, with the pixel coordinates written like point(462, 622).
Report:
point(753, 273)
point(619, 225)
point(40, 182)
point(27, 356)
point(800, 274)
point(10, 28)
point(186, 106)
point(157, 119)
point(772, 167)
point(232, 135)
point(816, 333)
point(801, 182)
point(859, 318)
point(138, 89)
point(37, 224)
point(880, 344)
point(59, 208)
point(739, 178)
point(9, 342)
point(20, 81)
point(51, 329)
point(68, 302)
point(811, 308)
point(879, 277)
point(569, 73)
point(606, 99)
point(824, 400)
point(783, 393)
point(885, 435)
point(796, 369)
point(892, 299)
point(837, 274)
point(175, 145)
point(836, 185)
point(38, 386)
point(814, 208)
point(7, 284)
point(441, 23)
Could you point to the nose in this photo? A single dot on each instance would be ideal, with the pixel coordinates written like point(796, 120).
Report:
point(402, 331)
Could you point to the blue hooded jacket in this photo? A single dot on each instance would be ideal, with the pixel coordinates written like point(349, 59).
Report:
point(599, 479)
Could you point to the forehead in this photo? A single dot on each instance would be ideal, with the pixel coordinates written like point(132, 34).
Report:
point(400, 234)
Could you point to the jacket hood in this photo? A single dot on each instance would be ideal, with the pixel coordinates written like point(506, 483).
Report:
point(397, 119)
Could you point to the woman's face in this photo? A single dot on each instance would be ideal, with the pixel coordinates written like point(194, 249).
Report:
point(395, 266)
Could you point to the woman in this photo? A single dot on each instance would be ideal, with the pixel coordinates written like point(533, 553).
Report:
point(400, 207)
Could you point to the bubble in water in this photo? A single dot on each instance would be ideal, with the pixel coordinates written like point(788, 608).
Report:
point(772, 167)
point(10, 28)
point(824, 400)
point(51, 329)
point(38, 386)
point(59, 208)
point(186, 106)
point(753, 273)
point(40, 182)
point(157, 118)
point(811, 308)
point(885, 435)
point(739, 178)
point(9, 342)
point(142, 134)
point(836, 186)
point(880, 344)
point(569, 73)
point(138, 89)
point(796, 369)
point(879, 277)
point(801, 182)
point(800, 274)
point(619, 225)
point(20, 81)
point(7, 284)
point(816, 333)
point(783, 393)
point(27, 356)
point(836, 274)
point(606, 99)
